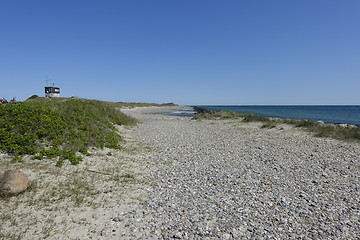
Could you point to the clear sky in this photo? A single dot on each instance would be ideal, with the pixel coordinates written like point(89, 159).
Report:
point(184, 51)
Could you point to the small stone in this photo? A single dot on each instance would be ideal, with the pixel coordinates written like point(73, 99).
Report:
point(177, 235)
point(226, 236)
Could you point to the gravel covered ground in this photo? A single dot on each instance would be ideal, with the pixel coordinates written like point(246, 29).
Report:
point(178, 178)
point(232, 180)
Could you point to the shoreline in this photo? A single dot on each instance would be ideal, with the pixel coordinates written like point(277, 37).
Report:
point(204, 110)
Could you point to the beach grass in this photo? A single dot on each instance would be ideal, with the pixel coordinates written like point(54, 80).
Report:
point(319, 129)
point(218, 115)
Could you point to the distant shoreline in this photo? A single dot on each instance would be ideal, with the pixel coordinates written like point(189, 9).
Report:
point(329, 114)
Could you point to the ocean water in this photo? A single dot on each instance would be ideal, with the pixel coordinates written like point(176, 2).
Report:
point(329, 114)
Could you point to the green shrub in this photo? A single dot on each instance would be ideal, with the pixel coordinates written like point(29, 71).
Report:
point(59, 127)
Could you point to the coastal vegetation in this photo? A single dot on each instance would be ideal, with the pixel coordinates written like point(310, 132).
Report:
point(134, 104)
point(318, 128)
point(60, 127)
point(218, 115)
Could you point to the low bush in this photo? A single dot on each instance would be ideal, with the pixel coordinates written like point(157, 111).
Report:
point(248, 117)
point(59, 127)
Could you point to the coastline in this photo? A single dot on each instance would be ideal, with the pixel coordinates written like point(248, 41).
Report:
point(196, 179)
point(327, 114)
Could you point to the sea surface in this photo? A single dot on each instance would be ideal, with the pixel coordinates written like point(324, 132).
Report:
point(339, 114)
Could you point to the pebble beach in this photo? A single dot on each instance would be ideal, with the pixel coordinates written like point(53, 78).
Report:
point(180, 178)
point(231, 180)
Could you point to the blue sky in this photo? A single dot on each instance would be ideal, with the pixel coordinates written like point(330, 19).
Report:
point(188, 52)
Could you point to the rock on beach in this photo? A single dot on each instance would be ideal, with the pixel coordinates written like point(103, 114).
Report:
point(13, 182)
